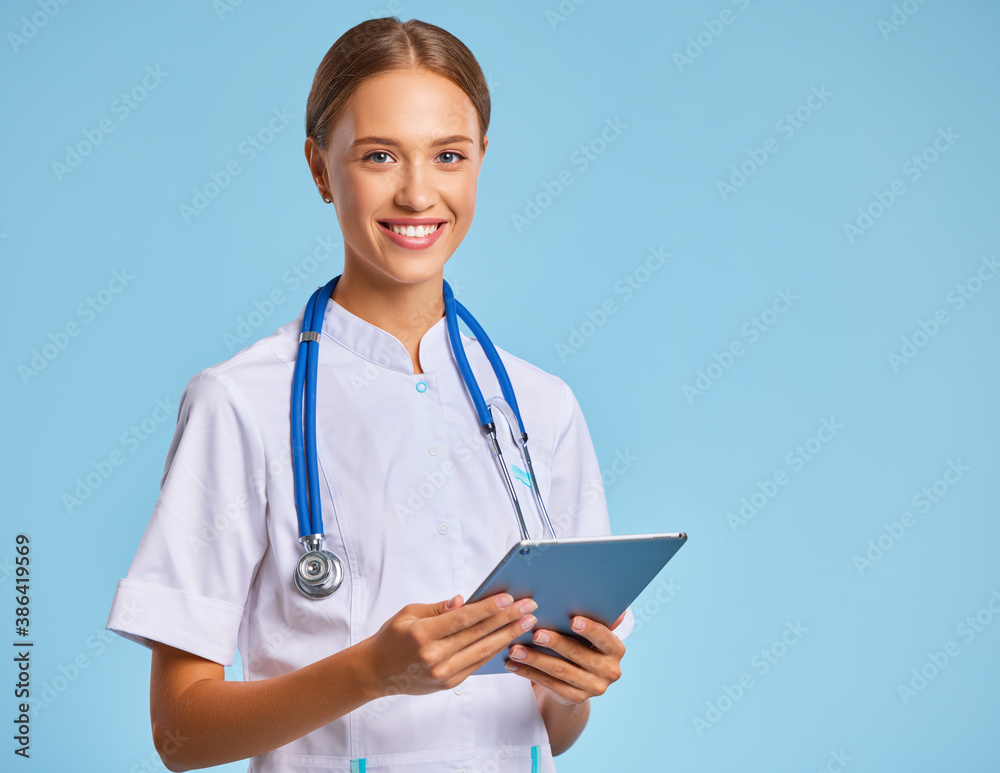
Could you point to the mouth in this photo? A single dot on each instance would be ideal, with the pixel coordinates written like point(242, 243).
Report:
point(418, 230)
point(413, 234)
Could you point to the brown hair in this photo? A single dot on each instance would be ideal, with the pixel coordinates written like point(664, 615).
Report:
point(381, 45)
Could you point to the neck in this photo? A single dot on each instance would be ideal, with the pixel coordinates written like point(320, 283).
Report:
point(406, 311)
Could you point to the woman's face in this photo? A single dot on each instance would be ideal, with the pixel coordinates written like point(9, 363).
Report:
point(404, 152)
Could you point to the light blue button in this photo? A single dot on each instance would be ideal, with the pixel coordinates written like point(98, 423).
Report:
point(421, 386)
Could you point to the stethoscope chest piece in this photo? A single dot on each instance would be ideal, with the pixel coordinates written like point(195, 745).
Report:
point(319, 573)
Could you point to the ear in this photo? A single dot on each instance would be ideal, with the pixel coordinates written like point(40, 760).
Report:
point(486, 144)
point(317, 166)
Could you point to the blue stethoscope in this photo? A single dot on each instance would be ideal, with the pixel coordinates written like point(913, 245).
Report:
point(319, 572)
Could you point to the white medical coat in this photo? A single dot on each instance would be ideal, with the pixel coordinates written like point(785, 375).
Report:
point(413, 505)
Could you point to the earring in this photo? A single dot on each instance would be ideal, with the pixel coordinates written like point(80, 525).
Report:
point(328, 201)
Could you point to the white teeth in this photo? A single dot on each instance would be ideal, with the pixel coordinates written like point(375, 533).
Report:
point(409, 230)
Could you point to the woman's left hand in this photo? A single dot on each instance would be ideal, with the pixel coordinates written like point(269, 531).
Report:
point(589, 670)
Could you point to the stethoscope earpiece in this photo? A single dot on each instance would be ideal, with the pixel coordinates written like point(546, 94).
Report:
point(319, 573)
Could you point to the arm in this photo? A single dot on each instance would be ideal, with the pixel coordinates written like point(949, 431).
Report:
point(563, 689)
point(563, 722)
point(199, 719)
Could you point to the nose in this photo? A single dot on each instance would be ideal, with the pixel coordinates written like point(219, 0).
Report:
point(415, 190)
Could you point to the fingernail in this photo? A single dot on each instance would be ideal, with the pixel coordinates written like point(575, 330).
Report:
point(541, 638)
point(518, 653)
point(505, 600)
point(510, 666)
point(578, 624)
point(528, 606)
point(528, 622)
point(451, 603)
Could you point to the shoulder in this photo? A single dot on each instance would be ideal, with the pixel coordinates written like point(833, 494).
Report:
point(258, 370)
point(235, 398)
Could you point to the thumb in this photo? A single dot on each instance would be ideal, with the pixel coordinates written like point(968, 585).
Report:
point(617, 622)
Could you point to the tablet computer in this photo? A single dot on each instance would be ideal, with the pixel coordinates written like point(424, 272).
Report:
point(597, 577)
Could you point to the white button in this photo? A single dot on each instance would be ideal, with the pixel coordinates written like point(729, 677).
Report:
point(433, 450)
point(442, 528)
point(459, 690)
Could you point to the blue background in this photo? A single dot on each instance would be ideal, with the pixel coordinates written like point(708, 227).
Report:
point(536, 267)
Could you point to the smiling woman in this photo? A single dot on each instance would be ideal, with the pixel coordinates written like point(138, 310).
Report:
point(400, 162)
point(372, 668)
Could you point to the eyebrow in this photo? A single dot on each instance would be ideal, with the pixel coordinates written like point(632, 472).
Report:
point(452, 140)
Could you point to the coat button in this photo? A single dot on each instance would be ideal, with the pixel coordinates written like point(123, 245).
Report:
point(443, 528)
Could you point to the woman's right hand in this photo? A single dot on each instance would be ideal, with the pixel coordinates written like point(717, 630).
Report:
point(424, 648)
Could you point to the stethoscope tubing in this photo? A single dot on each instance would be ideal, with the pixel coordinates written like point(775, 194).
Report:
point(305, 461)
point(458, 310)
point(304, 454)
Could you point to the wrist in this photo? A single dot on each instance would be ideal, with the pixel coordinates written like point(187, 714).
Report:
point(362, 669)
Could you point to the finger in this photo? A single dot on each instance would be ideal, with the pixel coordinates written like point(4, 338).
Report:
point(617, 622)
point(566, 692)
point(599, 635)
point(562, 670)
point(583, 655)
point(461, 615)
point(461, 627)
point(479, 651)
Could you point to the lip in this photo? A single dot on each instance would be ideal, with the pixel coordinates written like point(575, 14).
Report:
point(412, 242)
point(412, 220)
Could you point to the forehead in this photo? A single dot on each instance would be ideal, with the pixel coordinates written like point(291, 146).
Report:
point(408, 105)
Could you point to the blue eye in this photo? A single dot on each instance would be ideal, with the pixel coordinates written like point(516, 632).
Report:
point(456, 156)
point(381, 153)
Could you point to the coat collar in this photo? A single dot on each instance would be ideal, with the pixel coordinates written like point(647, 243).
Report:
point(382, 348)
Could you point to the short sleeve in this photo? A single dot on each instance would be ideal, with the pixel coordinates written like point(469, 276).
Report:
point(187, 585)
point(577, 503)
